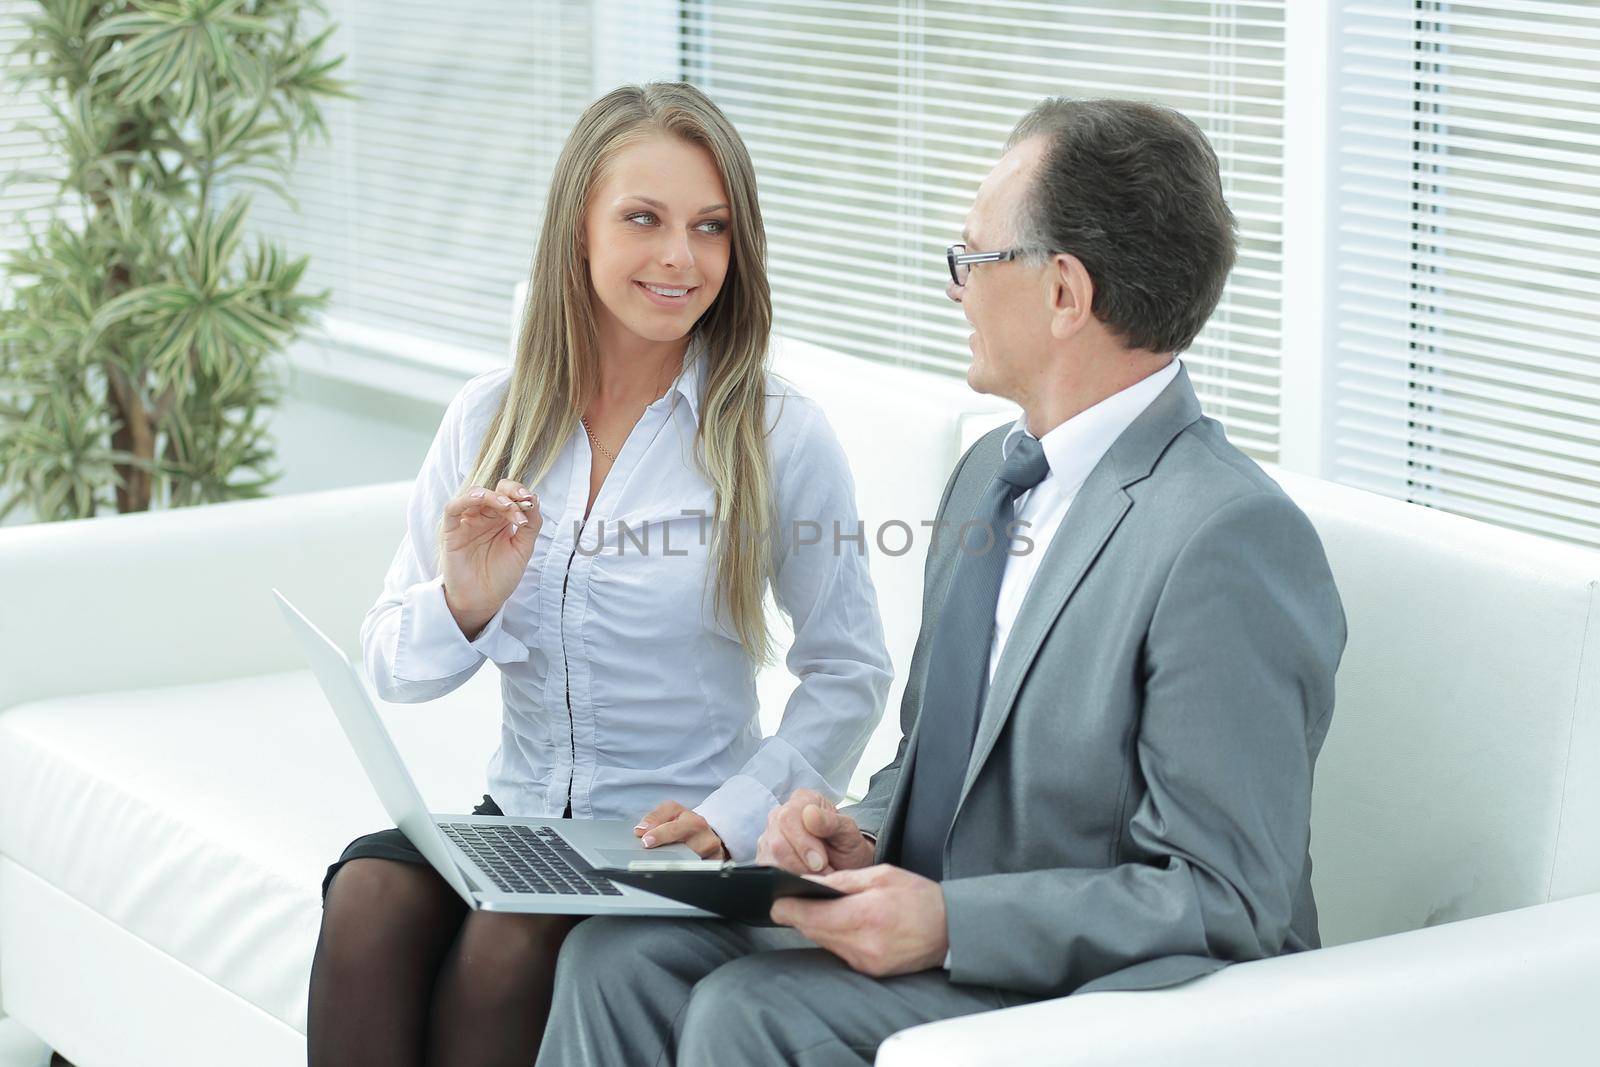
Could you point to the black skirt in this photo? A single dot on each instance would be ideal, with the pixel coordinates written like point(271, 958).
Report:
point(392, 844)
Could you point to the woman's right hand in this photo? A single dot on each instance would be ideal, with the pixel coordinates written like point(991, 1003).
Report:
point(487, 538)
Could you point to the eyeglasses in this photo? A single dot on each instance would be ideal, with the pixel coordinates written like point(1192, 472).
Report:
point(961, 260)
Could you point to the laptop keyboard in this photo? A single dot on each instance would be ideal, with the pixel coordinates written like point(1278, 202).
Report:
point(528, 859)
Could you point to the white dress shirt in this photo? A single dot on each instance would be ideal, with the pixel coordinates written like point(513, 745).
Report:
point(621, 687)
point(1072, 450)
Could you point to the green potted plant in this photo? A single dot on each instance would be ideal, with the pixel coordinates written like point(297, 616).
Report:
point(141, 340)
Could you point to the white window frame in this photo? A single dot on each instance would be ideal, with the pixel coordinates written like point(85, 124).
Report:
point(1309, 132)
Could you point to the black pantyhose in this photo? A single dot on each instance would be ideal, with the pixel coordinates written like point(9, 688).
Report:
point(406, 976)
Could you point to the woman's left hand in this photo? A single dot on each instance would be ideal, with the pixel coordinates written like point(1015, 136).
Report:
point(671, 821)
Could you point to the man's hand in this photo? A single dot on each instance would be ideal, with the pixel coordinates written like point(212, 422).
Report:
point(807, 835)
point(892, 922)
point(671, 821)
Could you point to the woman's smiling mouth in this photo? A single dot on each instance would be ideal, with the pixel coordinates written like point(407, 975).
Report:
point(666, 295)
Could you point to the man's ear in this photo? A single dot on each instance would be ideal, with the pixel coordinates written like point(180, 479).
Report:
point(1070, 292)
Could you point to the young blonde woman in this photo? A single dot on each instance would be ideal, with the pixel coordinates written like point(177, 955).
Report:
point(603, 520)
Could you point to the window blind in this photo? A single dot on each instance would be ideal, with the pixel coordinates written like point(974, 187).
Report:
point(422, 211)
point(1468, 228)
point(24, 203)
point(871, 125)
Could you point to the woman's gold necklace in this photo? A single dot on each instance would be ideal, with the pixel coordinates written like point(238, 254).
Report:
point(596, 440)
point(604, 451)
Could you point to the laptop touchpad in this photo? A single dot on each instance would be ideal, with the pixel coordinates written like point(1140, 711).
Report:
point(621, 857)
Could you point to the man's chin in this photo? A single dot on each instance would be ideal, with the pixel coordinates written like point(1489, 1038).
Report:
point(978, 378)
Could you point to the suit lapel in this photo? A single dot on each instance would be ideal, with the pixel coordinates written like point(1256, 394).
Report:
point(1095, 514)
point(1090, 522)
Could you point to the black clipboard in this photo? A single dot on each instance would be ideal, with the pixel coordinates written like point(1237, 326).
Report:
point(744, 893)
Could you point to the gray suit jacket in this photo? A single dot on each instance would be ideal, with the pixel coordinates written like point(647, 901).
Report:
point(1136, 811)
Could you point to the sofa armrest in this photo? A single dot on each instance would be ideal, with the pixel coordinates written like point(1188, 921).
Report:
point(1514, 987)
point(184, 595)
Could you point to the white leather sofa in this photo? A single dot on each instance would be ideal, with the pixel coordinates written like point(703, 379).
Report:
point(172, 784)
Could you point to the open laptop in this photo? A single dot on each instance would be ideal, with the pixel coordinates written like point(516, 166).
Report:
point(496, 863)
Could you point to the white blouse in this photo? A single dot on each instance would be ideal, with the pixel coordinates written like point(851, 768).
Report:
point(620, 687)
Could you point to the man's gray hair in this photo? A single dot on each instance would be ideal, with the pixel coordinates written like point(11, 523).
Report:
point(1132, 190)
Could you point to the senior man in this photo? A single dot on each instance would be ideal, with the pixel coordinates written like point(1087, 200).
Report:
point(1111, 719)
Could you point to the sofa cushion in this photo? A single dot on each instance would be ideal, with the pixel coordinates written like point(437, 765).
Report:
point(1461, 773)
point(201, 818)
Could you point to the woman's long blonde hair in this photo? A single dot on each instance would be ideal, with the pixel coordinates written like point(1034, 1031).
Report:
point(557, 367)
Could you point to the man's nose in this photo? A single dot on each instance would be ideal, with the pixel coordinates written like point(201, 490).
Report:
point(954, 291)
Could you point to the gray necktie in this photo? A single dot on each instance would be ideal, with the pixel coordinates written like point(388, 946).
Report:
point(958, 662)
